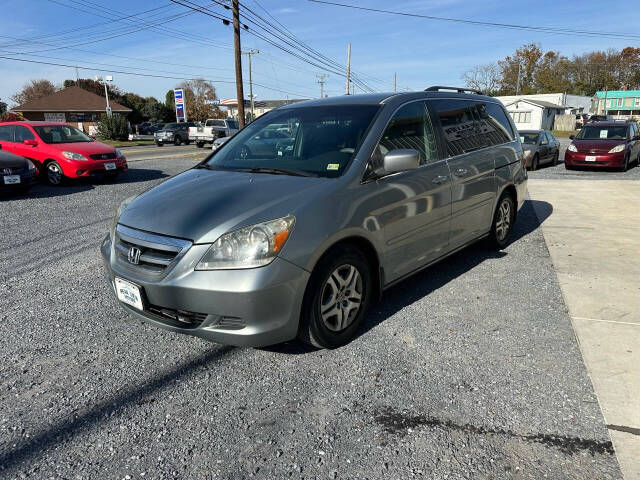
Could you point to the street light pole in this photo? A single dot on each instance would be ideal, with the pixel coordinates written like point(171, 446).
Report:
point(348, 69)
point(249, 53)
point(321, 80)
point(107, 78)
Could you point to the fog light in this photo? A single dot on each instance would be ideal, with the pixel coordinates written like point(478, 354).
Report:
point(79, 172)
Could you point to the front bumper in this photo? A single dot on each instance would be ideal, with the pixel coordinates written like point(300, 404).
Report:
point(164, 138)
point(27, 179)
point(251, 307)
point(89, 168)
point(576, 159)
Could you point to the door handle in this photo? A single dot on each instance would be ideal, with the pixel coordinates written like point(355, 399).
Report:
point(460, 172)
point(439, 179)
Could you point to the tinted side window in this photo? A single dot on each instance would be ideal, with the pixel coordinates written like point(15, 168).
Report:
point(460, 126)
point(410, 127)
point(495, 124)
point(23, 133)
point(6, 133)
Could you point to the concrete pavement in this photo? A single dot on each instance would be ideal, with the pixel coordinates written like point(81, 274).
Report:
point(593, 237)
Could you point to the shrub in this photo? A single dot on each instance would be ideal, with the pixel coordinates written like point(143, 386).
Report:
point(11, 117)
point(112, 128)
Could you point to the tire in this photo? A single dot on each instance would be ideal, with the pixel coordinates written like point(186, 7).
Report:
point(534, 163)
point(187, 142)
point(568, 167)
point(505, 211)
point(556, 157)
point(159, 144)
point(336, 282)
point(625, 166)
point(53, 173)
point(200, 144)
point(177, 140)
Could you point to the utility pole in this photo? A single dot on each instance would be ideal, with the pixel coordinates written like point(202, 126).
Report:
point(348, 68)
point(321, 80)
point(518, 83)
point(605, 100)
point(249, 53)
point(394, 82)
point(238, 56)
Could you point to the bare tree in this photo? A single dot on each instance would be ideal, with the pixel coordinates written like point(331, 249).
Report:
point(33, 90)
point(485, 78)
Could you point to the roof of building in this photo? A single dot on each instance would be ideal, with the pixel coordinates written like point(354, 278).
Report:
point(618, 94)
point(539, 103)
point(72, 99)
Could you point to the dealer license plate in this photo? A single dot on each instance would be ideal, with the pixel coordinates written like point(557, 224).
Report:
point(129, 293)
point(110, 166)
point(11, 179)
point(590, 158)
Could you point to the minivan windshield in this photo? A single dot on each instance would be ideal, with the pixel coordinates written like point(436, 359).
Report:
point(60, 134)
point(602, 132)
point(317, 141)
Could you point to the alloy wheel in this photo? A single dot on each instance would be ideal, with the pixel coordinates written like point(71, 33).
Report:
point(54, 173)
point(503, 222)
point(341, 298)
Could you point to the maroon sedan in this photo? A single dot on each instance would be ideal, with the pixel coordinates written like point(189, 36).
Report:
point(604, 144)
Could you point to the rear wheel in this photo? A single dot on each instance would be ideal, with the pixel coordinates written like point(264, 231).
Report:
point(336, 299)
point(177, 140)
point(503, 220)
point(200, 144)
point(159, 144)
point(54, 174)
point(555, 159)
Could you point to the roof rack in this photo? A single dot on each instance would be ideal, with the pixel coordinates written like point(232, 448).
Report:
point(438, 88)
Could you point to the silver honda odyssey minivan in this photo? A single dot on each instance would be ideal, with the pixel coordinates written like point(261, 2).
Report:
point(298, 223)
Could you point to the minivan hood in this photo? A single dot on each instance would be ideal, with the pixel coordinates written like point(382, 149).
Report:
point(597, 145)
point(200, 205)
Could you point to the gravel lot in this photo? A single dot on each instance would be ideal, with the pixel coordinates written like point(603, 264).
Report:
point(468, 370)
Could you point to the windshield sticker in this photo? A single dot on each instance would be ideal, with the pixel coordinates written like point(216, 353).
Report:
point(604, 133)
point(521, 139)
point(333, 166)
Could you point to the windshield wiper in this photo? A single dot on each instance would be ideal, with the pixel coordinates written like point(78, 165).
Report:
point(278, 171)
point(205, 165)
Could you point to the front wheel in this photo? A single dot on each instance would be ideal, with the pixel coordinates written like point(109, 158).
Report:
point(556, 158)
point(55, 176)
point(177, 141)
point(159, 144)
point(336, 299)
point(503, 220)
point(200, 144)
point(625, 166)
point(534, 163)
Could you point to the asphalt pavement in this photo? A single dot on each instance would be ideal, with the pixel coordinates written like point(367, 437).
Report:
point(468, 370)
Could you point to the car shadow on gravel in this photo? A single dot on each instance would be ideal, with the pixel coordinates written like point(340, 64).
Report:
point(532, 214)
point(113, 405)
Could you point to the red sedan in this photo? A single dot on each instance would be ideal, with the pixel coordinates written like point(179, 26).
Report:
point(604, 144)
point(60, 151)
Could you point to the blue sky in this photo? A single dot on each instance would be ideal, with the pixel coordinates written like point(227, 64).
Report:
point(422, 52)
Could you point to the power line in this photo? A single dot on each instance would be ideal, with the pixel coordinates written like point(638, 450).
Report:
point(556, 30)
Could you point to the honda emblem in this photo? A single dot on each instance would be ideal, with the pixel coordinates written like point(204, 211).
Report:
point(134, 255)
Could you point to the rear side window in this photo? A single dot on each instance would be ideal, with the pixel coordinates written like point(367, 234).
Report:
point(460, 125)
point(494, 124)
point(6, 133)
point(23, 133)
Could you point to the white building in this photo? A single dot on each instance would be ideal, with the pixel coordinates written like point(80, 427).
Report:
point(571, 103)
point(533, 114)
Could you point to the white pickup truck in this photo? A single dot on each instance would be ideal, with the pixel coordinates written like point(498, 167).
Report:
point(213, 128)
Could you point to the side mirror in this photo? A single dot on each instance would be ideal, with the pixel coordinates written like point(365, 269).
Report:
point(401, 160)
point(571, 137)
point(31, 142)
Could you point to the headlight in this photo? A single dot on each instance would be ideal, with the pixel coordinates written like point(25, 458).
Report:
point(527, 153)
point(74, 156)
point(31, 166)
point(123, 206)
point(617, 148)
point(572, 148)
point(248, 247)
point(119, 153)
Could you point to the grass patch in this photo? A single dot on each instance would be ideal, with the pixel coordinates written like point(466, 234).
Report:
point(564, 133)
point(127, 143)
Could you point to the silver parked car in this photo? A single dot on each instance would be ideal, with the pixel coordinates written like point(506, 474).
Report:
point(260, 246)
point(540, 147)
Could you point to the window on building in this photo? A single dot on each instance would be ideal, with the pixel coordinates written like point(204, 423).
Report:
point(521, 117)
point(620, 102)
point(636, 102)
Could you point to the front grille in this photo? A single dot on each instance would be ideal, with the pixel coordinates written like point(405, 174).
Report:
point(178, 318)
point(147, 252)
point(103, 156)
point(12, 171)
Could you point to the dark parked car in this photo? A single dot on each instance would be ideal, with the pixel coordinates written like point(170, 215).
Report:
point(599, 118)
point(175, 133)
point(297, 242)
point(604, 144)
point(17, 173)
point(540, 147)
